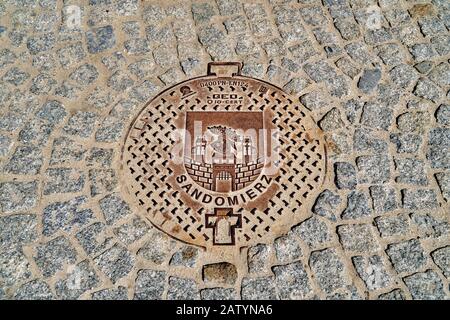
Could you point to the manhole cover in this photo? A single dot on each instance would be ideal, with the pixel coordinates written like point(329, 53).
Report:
point(223, 160)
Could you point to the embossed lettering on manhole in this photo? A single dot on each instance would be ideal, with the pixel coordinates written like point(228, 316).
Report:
point(223, 160)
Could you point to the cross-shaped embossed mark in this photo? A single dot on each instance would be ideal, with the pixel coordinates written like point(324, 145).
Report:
point(223, 222)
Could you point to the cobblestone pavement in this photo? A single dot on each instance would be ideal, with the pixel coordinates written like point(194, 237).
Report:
point(374, 74)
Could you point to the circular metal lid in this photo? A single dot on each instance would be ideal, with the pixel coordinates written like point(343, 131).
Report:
point(223, 161)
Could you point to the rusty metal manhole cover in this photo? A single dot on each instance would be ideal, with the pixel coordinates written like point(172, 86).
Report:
point(223, 160)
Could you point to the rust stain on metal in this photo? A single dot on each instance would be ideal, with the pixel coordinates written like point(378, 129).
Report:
point(223, 160)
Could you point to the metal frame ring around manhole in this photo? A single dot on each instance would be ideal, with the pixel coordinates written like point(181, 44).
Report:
point(223, 160)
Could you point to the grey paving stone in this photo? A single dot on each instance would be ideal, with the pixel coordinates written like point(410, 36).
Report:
point(7, 57)
point(364, 140)
point(428, 90)
point(53, 111)
point(287, 248)
point(119, 293)
point(71, 55)
point(81, 124)
point(326, 204)
point(149, 285)
point(131, 231)
point(292, 281)
point(218, 294)
point(147, 89)
point(94, 238)
point(18, 196)
point(411, 171)
point(253, 70)
point(440, 74)
point(236, 24)
point(65, 215)
point(393, 225)
point(84, 74)
point(114, 61)
point(332, 120)
point(348, 67)
point(443, 180)
point(68, 90)
point(153, 13)
point(63, 180)
point(424, 66)
point(313, 231)
point(440, 136)
point(313, 100)
point(441, 44)
point(392, 54)
point(110, 130)
point(422, 52)
point(99, 157)
point(441, 258)
point(34, 290)
point(158, 248)
point(257, 258)
point(137, 46)
point(377, 36)
point(345, 175)
point(383, 199)
point(443, 114)
point(373, 271)
point(80, 278)
point(99, 98)
point(66, 150)
point(348, 28)
point(406, 143)
point(373, 169)
point(102, 181)
point(5, 145)
point(258, 289)
point(15, 76)
point(328, 269)
point(17, 229)
point(187, 256)
point(357, 206)
point(15, 267)
point(425, 286)
point(396, 294)
point(120, 81)
point(348, 293)
point(274, 48)
point(430, 26)
point(369, 80)
point(407, 256)
point(296, 85)
point(403, 75)
point(202, 12)
point(25, 160)
point(100, 39)
point(413, 122)
point(113, 208)
point(182, 289)
point(429, 225)
point(35, 132)
point(42, 84)
point(319, 71)
point(55, 255)
point(115, 262)
point(419, 199)
point(358, 238)
point(377, 116)
point(41, 43)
